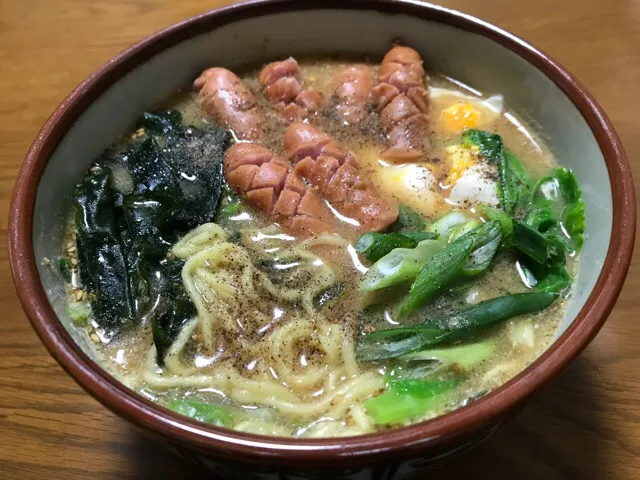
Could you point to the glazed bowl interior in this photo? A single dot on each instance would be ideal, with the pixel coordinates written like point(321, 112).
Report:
point(465, 49)
point(472, 59)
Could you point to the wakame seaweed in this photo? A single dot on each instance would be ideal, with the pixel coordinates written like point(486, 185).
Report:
point(172, 307)
point(125, 233)
point(147, 220)
point(101, 252)
point(183, 163)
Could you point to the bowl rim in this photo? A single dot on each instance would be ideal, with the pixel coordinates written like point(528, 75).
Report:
point(243, 447)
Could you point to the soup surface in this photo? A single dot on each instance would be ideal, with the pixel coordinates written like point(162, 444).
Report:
point(324, 248)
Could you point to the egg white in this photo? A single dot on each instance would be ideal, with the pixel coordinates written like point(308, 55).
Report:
point(476, 186)
point(412, 184)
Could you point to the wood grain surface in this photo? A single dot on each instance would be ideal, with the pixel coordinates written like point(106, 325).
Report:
point(584, 425)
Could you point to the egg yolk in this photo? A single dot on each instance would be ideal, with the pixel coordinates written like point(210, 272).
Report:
point(459, 117)
point(460, 159)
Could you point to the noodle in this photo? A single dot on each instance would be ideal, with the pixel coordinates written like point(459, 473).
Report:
point(198, 239)
point(313, 371)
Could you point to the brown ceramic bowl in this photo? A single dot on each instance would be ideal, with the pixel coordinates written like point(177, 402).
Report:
point(451, 43)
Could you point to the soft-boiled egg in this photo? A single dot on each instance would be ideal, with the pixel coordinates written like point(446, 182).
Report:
point(468, 177)
point(413, 184)
point(460, 116)
point(476, 186)
point(459, 159)
point(471, 179)
point(460, 111)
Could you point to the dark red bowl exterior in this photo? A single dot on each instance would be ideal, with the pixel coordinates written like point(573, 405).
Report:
point(380, 455)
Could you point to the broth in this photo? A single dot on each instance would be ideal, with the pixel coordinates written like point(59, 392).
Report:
point(275, 339)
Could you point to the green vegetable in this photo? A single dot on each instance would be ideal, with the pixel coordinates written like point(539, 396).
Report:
point(540, 218)
point(573, 219)
point(514, 182)
point(64, 267)
point(481, 258)
point(395, 342)
point(231, 209)
point(544, 279)
point(441, 362)
point(552, 213)
point(419, 236)
point(464, 357)
point(374, 246)
point(385, 344)
point(486, 241)
point(459, 230)
point(517, 179)
point(553, 280)
point(443, 267)
point(408, 219)
point(443, 226)
point(496, 310)
point(78, 312)
point(558, 200)
point(408, 399)
point(567, 183)
point(501, 216)
point(509, 189)
point(421, 388)
point(469, 255)
point(483, 234)
point(553, 225)
point(490, 144)
point(400, 265)
point(203, 412)
point(546, 250)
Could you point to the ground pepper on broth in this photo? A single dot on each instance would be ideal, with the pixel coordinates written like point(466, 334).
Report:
point(286, 333)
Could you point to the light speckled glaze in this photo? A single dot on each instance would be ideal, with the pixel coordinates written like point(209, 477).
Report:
point(455, 45)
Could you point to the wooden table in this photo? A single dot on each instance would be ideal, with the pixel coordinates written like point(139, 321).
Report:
point(585, 424)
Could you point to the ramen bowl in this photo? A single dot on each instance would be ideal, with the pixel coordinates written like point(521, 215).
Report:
point(453, 44)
